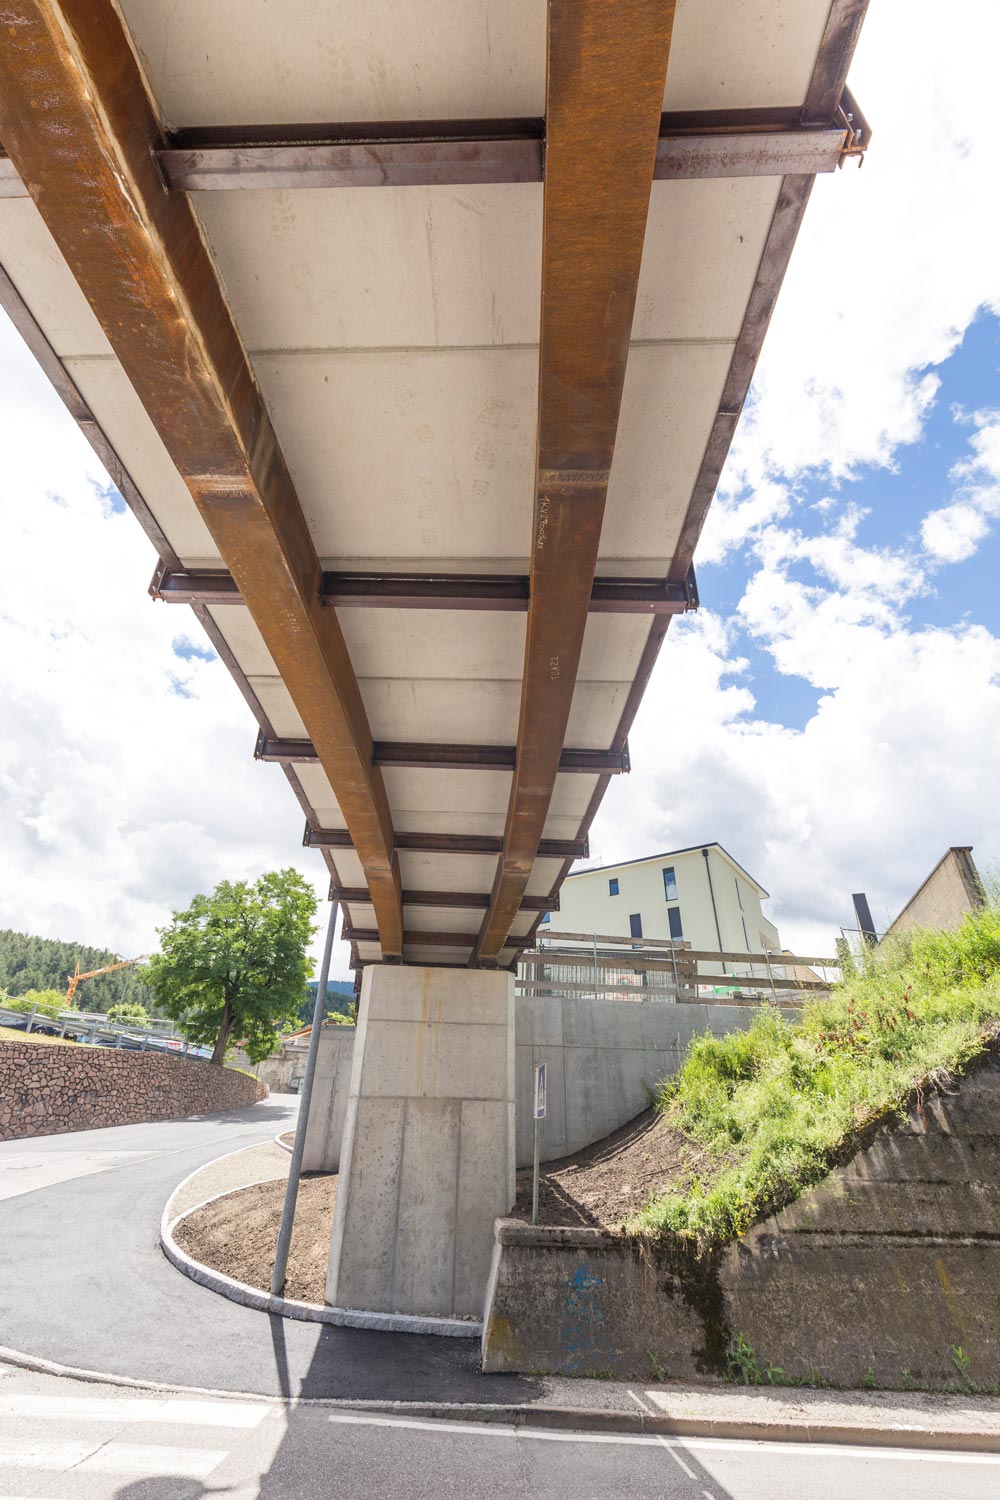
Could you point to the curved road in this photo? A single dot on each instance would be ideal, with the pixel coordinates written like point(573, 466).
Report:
point(85, 1284)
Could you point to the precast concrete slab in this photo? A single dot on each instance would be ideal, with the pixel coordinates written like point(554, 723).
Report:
point(427, 1162)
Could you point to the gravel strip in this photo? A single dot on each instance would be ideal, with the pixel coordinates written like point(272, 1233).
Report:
point(238, 1169)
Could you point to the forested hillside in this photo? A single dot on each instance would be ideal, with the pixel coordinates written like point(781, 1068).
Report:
point(35, 963)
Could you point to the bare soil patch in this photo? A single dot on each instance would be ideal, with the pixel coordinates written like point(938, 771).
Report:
point(608, 1182)
point(237, 1235)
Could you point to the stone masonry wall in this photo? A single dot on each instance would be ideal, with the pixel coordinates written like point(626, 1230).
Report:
point(46, 1090)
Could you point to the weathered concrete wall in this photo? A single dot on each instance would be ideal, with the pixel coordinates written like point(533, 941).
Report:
point(602, 1056)
point(950, 892)
point(328, 1107)
point(47, 1090)
point(886, 1265)
point(278, 1070)
point(428, 1153)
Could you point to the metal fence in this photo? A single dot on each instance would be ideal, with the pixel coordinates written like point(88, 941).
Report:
point(94, 1028)
point(569, 964)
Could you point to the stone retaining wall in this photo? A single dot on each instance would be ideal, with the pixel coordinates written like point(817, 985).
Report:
point(891, 1265)
point(46, 1090)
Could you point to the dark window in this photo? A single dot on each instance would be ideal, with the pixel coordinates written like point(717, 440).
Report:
point(670, 884)
point(674, 916)
point(635, 924)
point(739, 893)
point(612, 887)
point(746, 935)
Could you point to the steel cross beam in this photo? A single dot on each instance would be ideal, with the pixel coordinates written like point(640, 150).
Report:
point(447, 757)
point(447, 843)
point(709, 143)
point(429, 939)
point(351, 895)
point(501, 592)
point(82, 133)
point(607, 68)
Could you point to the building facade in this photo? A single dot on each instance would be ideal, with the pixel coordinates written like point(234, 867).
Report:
point(699, 896)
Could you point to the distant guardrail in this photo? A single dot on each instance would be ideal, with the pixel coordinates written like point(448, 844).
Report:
point(643, 969)
point(94, 1029)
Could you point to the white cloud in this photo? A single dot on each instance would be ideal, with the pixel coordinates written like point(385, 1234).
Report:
point(897, 763)
point(890, 267)
point(953, 533)
point(127, 781)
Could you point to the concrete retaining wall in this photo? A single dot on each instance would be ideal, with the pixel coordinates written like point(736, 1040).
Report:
point(890, 1264)
point(47, 1090)
point(602, 1057)
point(328, 1106)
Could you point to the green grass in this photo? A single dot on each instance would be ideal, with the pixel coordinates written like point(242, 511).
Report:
point(11, 1034)
point(774, 1107)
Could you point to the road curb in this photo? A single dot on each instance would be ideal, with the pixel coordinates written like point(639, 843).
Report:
point(582, 1419)
point(283, 1144)
point(286, 1307)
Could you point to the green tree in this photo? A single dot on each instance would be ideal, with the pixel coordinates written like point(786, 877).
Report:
point(129, 1012)
point(233, 965)
point(46, 1002)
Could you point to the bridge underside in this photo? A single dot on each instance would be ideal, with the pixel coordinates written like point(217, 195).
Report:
point(422, 413)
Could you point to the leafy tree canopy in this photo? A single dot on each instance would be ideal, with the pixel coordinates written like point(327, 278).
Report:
point(46, 1002)
point(129, 1011)
point(233, 966)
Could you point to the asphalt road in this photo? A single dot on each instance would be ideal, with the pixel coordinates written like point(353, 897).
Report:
point(84, 1283)
point(62, 1438)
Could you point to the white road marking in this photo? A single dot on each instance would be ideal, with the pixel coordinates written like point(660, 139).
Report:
point(743, 1446)
point(241, 1414)
point(111, 1458)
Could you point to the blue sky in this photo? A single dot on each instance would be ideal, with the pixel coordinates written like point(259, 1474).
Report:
point(894, 498)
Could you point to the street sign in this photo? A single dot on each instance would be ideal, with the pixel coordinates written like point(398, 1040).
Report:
point(540, 1091)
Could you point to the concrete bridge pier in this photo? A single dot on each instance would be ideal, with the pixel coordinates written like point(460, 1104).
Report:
point(428, 1153)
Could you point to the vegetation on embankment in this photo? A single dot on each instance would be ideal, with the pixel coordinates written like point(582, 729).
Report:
point(775, 1107)
point(10, 1034)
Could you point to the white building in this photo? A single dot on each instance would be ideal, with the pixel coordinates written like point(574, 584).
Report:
point(700, 896)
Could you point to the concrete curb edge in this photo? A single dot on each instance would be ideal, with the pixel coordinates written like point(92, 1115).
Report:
point(563, 1418)
point(286, 1307)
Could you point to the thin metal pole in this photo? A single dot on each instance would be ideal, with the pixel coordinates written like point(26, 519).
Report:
point(673, 960)
point(594, 936)
point(534, 1176)
point(770, 975)
point(305, 1095)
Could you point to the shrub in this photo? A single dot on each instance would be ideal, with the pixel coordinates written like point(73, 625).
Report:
point(772, 1106)
point(46, 1002)
point(129, 1012)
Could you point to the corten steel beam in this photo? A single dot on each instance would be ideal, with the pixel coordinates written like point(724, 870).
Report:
point(447, 843)
point(81, 131)
point(606, 72)
point(483, 591)
point(452, 900)
point(448, 757)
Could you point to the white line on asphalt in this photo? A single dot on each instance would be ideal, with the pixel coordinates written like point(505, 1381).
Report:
point(742, 1446)
point(133, 1409)
point(112, 1458)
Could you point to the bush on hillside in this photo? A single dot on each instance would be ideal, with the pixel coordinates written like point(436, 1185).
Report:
point(129, 1013)
point(46, 1002)
point(772, 1106)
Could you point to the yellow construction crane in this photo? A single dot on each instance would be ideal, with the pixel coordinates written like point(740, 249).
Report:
point(76, 978)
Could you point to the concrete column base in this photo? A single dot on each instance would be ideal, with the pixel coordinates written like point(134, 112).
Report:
point(427, 1162)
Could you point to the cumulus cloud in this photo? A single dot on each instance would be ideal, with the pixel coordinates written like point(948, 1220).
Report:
point(126, 776)
point(891, 265)
point(896, 764)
